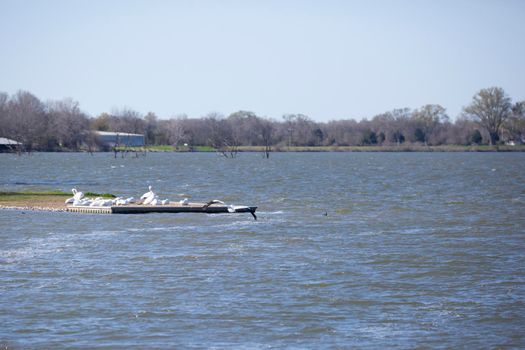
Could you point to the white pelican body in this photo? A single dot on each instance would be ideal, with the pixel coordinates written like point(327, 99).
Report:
point(106, 203)
point(83, 202)
point(96, 202)
point(148, 194)
point(149, 197)
point(77, 196)
point(149, 200)
point(234, 208)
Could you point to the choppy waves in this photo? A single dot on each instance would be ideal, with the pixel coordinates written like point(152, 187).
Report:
point(412, 256)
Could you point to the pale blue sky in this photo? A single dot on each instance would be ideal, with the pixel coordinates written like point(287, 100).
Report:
point(326, 59)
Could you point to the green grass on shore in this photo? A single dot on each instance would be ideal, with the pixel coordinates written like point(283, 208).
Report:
point(102, 195)
point(167, 148)
point(25, 195)
point(391, 148)
point(394, 148)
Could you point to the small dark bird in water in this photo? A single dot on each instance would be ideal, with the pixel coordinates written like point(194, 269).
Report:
point(325, 213)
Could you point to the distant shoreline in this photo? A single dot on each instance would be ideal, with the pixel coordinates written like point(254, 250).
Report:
point(408, 148)
point(314, 149)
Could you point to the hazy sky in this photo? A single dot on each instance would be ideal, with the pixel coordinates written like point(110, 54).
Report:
point(326, 59)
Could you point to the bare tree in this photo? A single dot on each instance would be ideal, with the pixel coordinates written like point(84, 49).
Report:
point(61, 125)
point(68, 123)
point(490, 108)
point(244, 127)
point(515, 125)
point(428, 118)
point(4, 122)
point(266, 130)
point(341, 133)
point(221, 135)
point(392, 127)
point(28, 120)
point(127, 120)
point(175, 131)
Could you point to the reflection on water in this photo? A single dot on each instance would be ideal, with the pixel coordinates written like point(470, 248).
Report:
point(364, 250)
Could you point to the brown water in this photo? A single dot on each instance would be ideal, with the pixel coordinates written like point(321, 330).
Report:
point(351, 250)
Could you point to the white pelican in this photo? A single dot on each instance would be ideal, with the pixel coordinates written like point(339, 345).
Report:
point(83, 202)
point(234, 208)
point(96, 202)
point(120, 201)
point(150, 199)
point(148, 194)
point(77, 195)
point(185, 201)
point(106, 203)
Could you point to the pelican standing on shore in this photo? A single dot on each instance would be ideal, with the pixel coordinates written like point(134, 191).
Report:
point(77, 196)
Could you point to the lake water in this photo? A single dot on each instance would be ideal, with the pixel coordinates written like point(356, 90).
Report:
point(351, 250)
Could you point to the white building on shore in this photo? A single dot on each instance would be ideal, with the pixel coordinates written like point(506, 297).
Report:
point(8, 145)
point(113, 139)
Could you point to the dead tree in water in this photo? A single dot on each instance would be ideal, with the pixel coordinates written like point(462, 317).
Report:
point(266, 129)
point(226, 148)
point(222, 137)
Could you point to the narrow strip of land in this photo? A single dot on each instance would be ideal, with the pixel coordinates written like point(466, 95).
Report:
point(38, 200)
point(391, 148)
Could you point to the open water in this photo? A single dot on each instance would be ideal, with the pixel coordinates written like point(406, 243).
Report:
point(351, 250)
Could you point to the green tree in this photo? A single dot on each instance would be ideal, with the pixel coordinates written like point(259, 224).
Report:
point(490, 108)
point(369, 138)
point(101, 123)
point(476, 137)
point(420, 136)
point(318, 136)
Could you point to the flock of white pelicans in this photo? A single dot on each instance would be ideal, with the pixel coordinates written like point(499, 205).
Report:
point(148, 198)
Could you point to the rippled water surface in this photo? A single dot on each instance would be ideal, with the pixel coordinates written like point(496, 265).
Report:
point(351, 250)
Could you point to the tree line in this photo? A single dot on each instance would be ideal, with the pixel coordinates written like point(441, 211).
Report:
point(490, 118)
